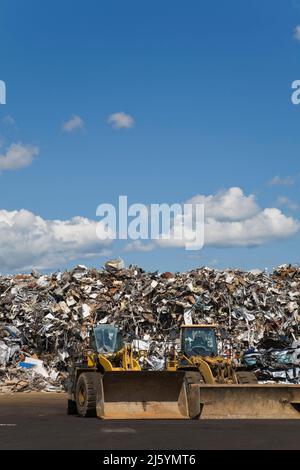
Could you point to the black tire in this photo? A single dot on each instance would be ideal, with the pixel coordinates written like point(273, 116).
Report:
point(244, 377)
point(72, 408)
point(194, 377)
point(194, 405)
point(87, 389)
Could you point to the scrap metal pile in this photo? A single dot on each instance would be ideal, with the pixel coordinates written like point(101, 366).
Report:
point(45, 319)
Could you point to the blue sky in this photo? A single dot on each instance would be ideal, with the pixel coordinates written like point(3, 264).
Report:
point(208, 85)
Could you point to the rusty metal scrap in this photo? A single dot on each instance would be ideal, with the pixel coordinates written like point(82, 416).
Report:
point(49, 316)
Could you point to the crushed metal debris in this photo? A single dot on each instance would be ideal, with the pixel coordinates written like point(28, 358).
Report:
point(45, 319)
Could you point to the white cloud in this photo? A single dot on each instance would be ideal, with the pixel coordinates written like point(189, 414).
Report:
point(73, 124)
point(227, 205)
point(233, 219)
point(120, 120)
point(278, 181)
point(297, 33)
point(266, 226)
point(27, 240)
point(8, 120)
point(18, 156)
point(287, 202)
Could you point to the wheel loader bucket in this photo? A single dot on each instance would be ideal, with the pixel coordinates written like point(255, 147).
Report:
point(143, 395)
point(259, 401)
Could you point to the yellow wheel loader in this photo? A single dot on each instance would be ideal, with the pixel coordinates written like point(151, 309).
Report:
point(197, 383)
point(200, 358)
point(226, 391)
point(109, 383)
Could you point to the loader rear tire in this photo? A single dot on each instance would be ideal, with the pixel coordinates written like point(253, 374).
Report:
point(87, 389)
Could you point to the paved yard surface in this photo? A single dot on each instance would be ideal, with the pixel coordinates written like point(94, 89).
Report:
point(39, 421)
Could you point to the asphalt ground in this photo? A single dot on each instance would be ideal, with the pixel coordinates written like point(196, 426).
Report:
point(39, 421)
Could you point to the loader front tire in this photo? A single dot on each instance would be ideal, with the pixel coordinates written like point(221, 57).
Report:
point(87, 389)
point(194, 377)
point(244, 377)
point(72, 408)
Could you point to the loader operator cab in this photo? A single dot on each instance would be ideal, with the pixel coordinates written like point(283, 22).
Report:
point(198, 341)
point(106, 339)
